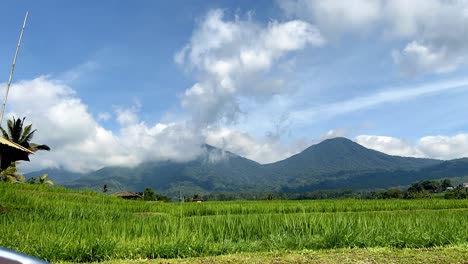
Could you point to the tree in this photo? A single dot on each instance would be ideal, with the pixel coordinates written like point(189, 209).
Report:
point(148, 194)
point(458, 192)
point(445, 184)
point(21, 135)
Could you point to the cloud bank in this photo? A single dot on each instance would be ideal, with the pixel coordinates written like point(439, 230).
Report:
point(436, 147)
point(233, 59)
point(80, 143)
point(433, 32)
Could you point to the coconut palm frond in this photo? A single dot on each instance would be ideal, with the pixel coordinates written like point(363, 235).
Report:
point(4, 133)
point(35, 147)
point(15, 128)
point(10, 128)
point(27, 134)
point(22, 135)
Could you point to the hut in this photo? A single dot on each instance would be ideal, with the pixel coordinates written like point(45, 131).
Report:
point(11, 152)
point(127, 195)
point(197, 199)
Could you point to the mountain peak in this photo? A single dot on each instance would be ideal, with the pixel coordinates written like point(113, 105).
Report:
point(342, 154)
point(337, 141)
point(337, 146)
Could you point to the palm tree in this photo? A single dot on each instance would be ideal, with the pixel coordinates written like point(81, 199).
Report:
point(21, 135)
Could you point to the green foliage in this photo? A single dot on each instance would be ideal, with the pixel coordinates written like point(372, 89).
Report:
point(22, 135)
point(150, 195)
point(44, 181)
point(11, 174)
point(459, 192)
point(445, 184)
point(32, 180)
point(425, 189)
point(56, 224)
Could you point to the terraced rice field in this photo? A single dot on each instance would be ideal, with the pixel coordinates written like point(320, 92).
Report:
point(56, 224)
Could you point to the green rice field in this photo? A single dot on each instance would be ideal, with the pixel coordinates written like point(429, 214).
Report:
point(56, 224)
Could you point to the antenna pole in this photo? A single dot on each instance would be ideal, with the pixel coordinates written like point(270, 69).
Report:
point(13, 68)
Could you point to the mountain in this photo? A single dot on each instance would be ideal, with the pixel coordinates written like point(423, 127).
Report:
point(339, 159)
point(214, 170)
point(337, 163)
point(341, 154)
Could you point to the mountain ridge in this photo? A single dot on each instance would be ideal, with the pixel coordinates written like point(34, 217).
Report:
point(330, 164)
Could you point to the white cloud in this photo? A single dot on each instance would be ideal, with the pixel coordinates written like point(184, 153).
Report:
point(416, 58)
point(444, 147)
point(126, 116)
point(80, 143)
point(105, 116)
point(244, 144)
point(435, 29)
point(231, 59)
point(335, 16)
point(79, 71)
point(436, 147)
point(333, 133)
point(323, 112)
point(389, 145)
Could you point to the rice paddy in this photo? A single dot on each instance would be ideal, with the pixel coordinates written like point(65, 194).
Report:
point(56, 224)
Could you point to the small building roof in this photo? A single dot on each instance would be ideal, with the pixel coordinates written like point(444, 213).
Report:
point(126, 194)
point(12, 144)
point(11, 152)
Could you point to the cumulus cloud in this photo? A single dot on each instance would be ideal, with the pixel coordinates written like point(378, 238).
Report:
point(233, 58)
point(389, 145)
point(436, 147)
point(80, 143)
point(261, 150)
point(435, 30)
point(335, 16)
point(444, 147)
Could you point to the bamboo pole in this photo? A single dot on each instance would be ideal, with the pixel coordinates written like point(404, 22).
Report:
point(13, 68)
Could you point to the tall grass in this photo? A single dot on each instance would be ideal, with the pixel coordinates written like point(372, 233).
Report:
point(58, 224)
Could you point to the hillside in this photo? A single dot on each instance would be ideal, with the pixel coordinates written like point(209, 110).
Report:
point(342, 163)
point(341, 154)
point(215, 170)
point(337, 163)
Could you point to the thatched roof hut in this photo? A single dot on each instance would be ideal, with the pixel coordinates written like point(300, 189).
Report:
point(11, 152)
point(127, 195)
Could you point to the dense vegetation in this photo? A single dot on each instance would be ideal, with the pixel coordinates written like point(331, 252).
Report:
point(58, 224)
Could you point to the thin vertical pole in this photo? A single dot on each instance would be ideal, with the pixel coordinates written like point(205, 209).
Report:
point(13, 68)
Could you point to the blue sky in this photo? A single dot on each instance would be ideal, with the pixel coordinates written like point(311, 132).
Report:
point(118, 83)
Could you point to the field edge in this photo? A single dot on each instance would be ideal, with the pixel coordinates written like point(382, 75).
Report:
point(456, 254)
